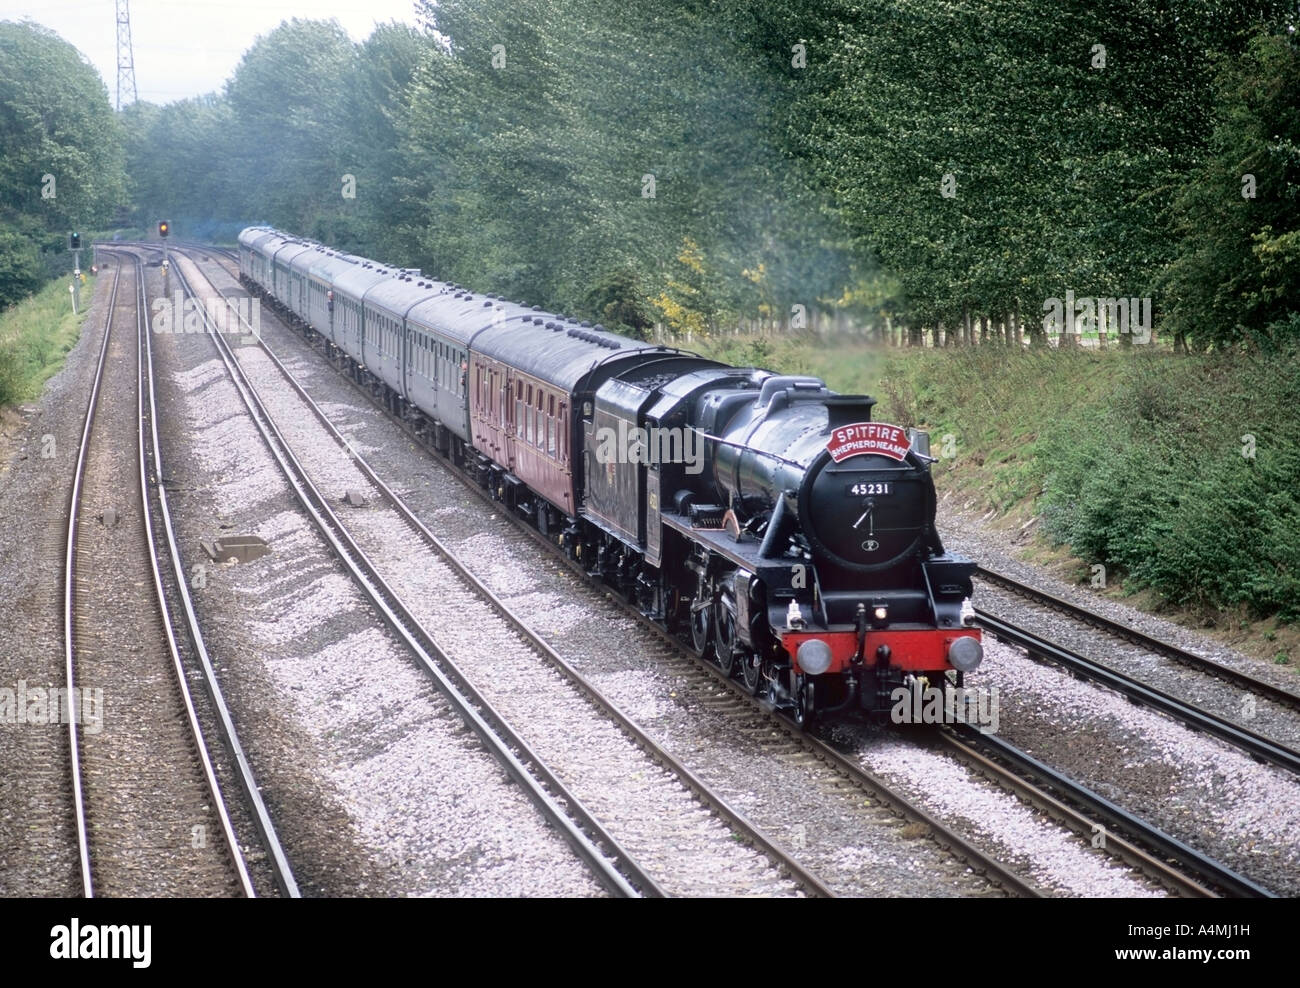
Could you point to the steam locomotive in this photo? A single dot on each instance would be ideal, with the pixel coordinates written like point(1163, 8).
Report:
point(764, 518)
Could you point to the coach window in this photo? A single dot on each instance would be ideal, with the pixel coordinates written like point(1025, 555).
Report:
point(550, 424)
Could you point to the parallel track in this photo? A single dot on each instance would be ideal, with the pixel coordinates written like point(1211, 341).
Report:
point(1127, 633)
point(1121, 833)
point(101, 835)
point(282, 871)
point(616, 870)
point(1193, 716)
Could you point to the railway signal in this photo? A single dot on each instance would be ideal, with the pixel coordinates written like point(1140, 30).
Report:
point(74, 247)
point(163, 228)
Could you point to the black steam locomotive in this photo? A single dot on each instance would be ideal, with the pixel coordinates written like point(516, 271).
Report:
point(766, 518)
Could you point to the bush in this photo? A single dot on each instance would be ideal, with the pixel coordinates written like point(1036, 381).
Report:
point(21, 268)
point(1183, 478)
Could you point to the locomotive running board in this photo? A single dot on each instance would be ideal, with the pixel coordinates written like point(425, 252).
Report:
point(744, 554)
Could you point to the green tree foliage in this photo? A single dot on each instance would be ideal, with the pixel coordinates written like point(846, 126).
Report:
point(699, 165)
point(377, 108)
point(21, 271)
point(1237, 270)
point(574, 145)
point(179, 163)
point(1060, 128)
point(60, 152)
point(293, 134)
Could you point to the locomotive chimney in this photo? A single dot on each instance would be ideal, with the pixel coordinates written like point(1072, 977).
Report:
point(846, 410)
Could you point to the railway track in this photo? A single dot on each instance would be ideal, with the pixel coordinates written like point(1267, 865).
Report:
point(1125, 632)
point(614, 867)
point(863, 781)
point(1121, 832)
point(797, 746)
point(1252, 742)
point(145, 792)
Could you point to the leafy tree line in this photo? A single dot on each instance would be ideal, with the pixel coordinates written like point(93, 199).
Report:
point(947, 167)
point(61, 155)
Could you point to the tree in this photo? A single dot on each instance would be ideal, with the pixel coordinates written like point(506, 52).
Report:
point(1236, 275)
point(290, 100)
point(60, 150)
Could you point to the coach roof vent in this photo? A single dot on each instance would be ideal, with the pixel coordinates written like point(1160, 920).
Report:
point(487, 303)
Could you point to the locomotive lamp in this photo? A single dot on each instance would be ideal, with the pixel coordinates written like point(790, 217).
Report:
point(794, 616)
point(814, 657)
point(879, 615)
point(965, 653)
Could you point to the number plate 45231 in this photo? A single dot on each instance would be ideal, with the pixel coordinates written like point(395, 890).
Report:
point(875, 487)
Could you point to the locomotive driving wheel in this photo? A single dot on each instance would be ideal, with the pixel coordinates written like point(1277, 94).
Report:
point(805, 705)
point(726, 649)
point(702, 625)
point(751, 672)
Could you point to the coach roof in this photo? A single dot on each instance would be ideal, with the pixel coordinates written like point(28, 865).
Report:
point(556, 350)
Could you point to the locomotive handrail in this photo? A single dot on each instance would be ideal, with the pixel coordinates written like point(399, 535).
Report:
point(760, 452)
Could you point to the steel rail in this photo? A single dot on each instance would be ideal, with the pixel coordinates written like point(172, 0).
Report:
point(1120, 630)
point(1247, 740)
point(276, 856)
point(70, 597)
point(1119, 819)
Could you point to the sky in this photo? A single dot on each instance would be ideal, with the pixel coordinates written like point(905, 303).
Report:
point(185, 48)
